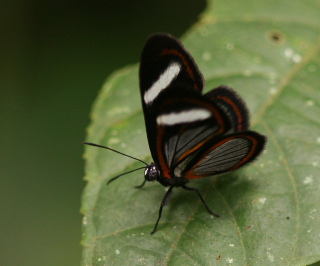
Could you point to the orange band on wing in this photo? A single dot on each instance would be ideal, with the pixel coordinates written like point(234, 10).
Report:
point(191, 175)
point(235, 108)
point(217, 115)
point(185, 62)
point(252, 151)
point(165, 171)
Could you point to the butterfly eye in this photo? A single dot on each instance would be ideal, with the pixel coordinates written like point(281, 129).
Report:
point(151, 173)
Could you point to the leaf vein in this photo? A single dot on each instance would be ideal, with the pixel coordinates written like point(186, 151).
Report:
point(285, 81)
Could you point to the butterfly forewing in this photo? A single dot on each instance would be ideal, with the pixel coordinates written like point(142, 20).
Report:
point(166, 64)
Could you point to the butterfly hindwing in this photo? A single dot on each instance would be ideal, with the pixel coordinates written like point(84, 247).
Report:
point(233, 106)
point(185, 121)
point(223, 155)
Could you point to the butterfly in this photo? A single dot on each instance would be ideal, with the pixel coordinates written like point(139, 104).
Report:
point(191, 135)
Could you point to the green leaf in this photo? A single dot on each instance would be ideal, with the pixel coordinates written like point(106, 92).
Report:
point(269, 52)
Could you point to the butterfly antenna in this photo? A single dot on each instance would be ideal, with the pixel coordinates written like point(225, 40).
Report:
point(96, 145)
point(116, 177)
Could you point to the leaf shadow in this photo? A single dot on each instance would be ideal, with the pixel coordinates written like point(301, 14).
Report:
point(223, 194)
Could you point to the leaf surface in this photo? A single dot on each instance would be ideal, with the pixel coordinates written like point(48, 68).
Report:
point(269, 52)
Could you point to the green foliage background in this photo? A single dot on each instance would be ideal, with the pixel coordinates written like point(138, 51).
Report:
point(269, 52)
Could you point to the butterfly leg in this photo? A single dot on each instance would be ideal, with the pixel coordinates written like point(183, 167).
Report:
point(163, 203)
point(200, 196)
point(140, 186)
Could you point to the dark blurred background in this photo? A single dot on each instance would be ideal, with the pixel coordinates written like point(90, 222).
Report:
point(55, 56)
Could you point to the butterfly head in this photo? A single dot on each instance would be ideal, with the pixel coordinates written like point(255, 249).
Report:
point(152, 172)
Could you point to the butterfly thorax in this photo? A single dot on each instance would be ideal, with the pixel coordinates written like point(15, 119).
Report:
point(152, 173)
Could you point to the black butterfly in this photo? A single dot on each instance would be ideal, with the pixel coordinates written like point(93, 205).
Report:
point(191, 135)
